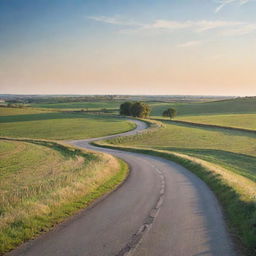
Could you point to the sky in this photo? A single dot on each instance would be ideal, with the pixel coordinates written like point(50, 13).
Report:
point(191, 47)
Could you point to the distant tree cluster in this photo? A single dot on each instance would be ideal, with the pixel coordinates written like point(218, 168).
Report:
point(170, 112)
point(136, 109)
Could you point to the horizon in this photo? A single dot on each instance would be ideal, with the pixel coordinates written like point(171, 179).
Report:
point(146, 95)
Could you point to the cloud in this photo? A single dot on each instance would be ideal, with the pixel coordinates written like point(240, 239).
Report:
point(222, 27)
point(189, 44)
point(199, 26)
point(223, 3)
point(116, 20)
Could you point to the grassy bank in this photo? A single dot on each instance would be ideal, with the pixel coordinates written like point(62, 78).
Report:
point(236, 193)
point(41, 183)
point(61, 126)
point(230, 149)
point(181, 136)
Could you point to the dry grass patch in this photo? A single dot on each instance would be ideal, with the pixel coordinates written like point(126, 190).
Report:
point(43, 182)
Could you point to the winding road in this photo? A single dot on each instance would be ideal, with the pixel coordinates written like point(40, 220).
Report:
point(161, 210)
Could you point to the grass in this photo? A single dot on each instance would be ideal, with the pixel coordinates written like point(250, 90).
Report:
point(247, 121)
point(5, 111)
point(61, 126)
point(234, 106)
point(181, 136)
point(79, 105)
point(231, 106)
point(44, 182)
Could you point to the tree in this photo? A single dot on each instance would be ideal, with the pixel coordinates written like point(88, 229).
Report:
point(170, 112)
point(125, 108)
point(140, 109)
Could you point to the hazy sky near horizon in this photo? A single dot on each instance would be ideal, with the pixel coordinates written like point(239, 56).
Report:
point(200, 47)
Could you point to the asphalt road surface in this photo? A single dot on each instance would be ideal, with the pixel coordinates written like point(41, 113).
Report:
point(161, 210)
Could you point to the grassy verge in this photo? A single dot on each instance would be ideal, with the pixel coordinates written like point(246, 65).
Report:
point(237, 194)
point(44, 182)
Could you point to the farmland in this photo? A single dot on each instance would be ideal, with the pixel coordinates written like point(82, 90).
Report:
point(58, 125)
point(42, 183)
point(78, 105)
point(247, 121)
point(234, 106)
point(5, 111)
point(180, 136)
point(233, 149)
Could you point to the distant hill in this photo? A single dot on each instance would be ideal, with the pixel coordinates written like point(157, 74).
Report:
point(228, 106)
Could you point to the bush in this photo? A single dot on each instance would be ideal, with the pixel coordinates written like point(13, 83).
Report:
point(125, 108)
point(136, 109)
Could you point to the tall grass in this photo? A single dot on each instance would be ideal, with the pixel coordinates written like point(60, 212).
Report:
point(44, 182)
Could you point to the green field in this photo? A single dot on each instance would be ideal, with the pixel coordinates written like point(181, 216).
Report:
point(231, 149)
point(247, 121)
point(42, 183)
point(240, 105)
point(59, 125)
point(5, 111)
point(79, 105)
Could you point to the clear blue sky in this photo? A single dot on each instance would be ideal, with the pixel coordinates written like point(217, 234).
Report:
point(128, 46)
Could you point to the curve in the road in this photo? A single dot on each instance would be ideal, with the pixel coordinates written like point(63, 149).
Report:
point(161, 210)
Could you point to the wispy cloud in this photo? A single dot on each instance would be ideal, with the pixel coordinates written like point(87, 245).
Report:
point(222, 27)
point(198, 26)
point(117, 20)
point(189, 44)
point(223, 3)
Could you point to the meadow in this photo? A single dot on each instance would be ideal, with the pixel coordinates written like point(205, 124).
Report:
point(5, 111)
point(79, 105)
point(58, 125)
point(234, 150)
point(247, 121)
point(41, 183)
point(182, 136)
point(233, 106)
